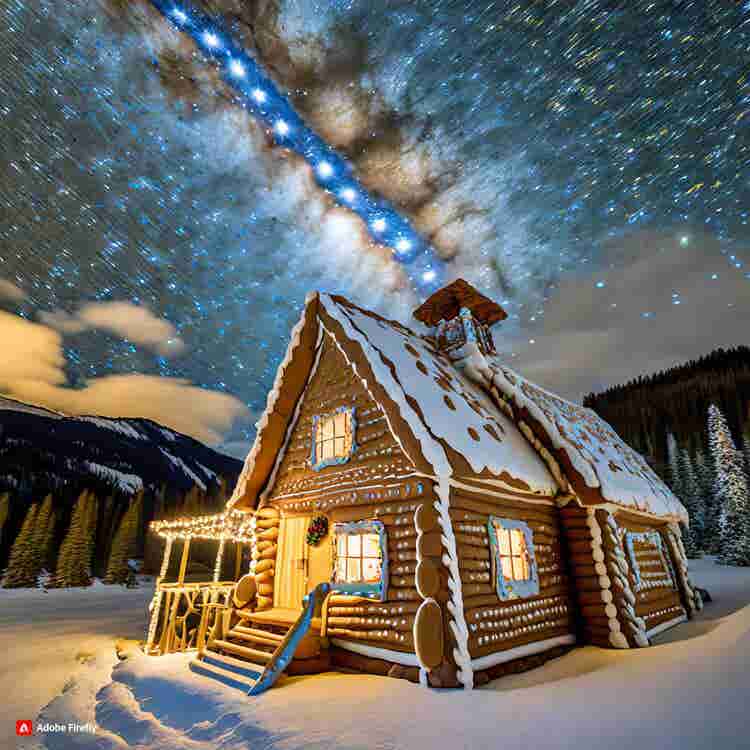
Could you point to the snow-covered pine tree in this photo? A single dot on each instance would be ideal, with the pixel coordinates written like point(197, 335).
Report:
point(20, 571)
point(72, 565)
point(692, 499)
point(43, 528)
point(704, 473)
point(123, 545)
point(732, 489)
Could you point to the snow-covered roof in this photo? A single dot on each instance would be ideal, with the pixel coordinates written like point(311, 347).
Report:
point(456, 427)
point(442, 406)
point(600, 466)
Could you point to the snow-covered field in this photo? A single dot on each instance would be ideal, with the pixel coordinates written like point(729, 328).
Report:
point(689, 692)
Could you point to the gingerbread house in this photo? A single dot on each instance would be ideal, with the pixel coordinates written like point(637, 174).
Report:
point(411, 506)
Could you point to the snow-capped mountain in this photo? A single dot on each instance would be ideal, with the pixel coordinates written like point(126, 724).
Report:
point(38, 446)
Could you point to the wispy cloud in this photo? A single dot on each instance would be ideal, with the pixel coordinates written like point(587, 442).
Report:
point(132, 322)
point(32, 371)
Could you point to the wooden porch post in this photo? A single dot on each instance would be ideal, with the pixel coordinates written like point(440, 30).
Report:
point(165, 559)
point(184, 560)
point(219, 556)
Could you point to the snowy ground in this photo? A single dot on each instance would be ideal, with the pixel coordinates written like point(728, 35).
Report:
point(689, 692)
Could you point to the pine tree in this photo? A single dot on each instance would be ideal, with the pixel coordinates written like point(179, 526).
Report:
point(692, 499)
point(21, 565)
point(673, 460)
point(72, 562)
point(706, 476)
point(732, 489)
point(43, 530)
point(4, 510)
point(123, 545)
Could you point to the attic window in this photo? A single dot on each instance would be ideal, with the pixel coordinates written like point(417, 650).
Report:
point(361, 567)
point(514, 563)
point(333, 438)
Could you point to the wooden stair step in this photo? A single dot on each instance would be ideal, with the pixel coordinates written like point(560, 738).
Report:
point(260, 636)
point(223, 675)
point(252, 640)
point(251, 654)
point(235, 664)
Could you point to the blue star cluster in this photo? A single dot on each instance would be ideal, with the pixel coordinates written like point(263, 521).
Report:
point(215, 165)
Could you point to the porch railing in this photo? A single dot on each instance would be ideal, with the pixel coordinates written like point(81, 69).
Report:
point(182, 614)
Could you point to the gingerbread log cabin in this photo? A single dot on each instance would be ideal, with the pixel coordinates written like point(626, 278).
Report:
point(415, 508)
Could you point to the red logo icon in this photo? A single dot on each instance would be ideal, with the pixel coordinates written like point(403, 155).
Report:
point(24, 728)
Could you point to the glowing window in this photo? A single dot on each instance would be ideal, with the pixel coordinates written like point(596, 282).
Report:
point(514, 564)
point(333, 438)
point(361, 559)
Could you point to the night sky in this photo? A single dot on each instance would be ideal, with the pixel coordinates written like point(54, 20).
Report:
point(172, 186)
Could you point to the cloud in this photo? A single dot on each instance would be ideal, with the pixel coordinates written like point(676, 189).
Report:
point(32, 371)
point(132, 322)
point(659, 306)
point(10, 291)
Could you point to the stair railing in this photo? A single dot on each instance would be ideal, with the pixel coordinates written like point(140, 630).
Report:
point(285, 651)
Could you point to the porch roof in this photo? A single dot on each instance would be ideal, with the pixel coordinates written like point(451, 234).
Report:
point(232, 525)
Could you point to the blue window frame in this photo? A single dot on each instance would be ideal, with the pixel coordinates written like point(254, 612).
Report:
point(514, 566)
point(361, 559)
point(660, 572)
point(333, 438)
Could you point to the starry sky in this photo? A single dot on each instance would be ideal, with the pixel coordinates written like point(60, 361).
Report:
point(176, 177)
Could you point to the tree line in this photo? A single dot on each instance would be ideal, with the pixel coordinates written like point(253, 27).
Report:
point(99, 537)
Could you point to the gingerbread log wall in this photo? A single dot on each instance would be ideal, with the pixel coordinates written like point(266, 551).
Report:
point(264, 549)
point(657, 598)
point(495, 625)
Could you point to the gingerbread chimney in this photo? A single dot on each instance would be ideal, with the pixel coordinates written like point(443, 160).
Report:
point(459, 314)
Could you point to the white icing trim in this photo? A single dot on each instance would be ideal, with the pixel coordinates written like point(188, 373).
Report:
point(484, 662)
point(455, 604)
point(503, 496)
point(665, 626)
point(375, 652)
point(292, 424)
point(273, 397)
point(431, 448)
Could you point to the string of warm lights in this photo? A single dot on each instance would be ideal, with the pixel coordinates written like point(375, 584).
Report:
point(231, 525)
point(260, 96)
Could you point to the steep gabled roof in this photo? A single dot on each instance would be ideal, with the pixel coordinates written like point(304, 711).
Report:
point(599, 465)
point(445, 423)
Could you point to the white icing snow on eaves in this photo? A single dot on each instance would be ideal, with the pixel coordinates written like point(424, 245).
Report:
point(273, 397)
point(458, 412)
point(431, 449)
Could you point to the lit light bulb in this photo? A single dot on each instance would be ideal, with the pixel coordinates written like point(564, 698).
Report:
point(684, 240)
point(281, 127)
point(403, 245)
point(180, 15)
point(428, 275)
point(379, 225)
point(348, 194)
point(237, 68)
point(211, 39)
point(325, 169)
point(259, 95)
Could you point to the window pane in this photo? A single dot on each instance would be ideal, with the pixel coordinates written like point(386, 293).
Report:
point(340, 424)
point(353, 569)
point(518, 543)
point(507, 568)
point(355, 545)
point(371, 572)
point(340, 451)
point(341, 569)
point(326, 428)
point(522, 567)
point(327, 451)
point(504, 538)
point(371, 545)
point(341, 545)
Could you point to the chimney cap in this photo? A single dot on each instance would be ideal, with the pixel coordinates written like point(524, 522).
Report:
point(447, 302)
